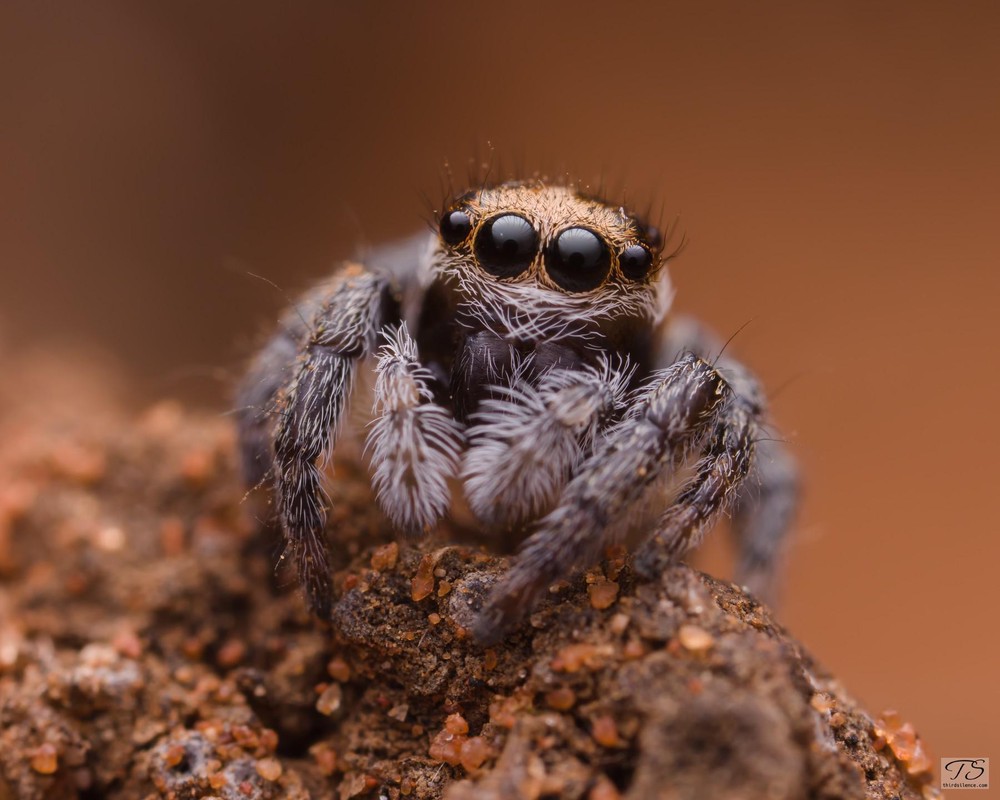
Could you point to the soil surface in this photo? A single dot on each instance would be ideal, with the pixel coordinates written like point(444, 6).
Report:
point(149, 648)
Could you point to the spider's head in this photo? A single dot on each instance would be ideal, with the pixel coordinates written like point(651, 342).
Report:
point(534, 261)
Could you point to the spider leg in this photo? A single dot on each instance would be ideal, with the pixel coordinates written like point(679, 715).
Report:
point(718, 476)
point(762, 517)
point(765, 503)
point(258, 391)
point(256, 397)
point(527, 439)
point(344, 330)
point(272, 368)
point(670, 420)
point(415, 444)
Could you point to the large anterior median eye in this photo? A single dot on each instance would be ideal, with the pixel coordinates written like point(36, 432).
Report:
point(506, 245)
point(578, 260)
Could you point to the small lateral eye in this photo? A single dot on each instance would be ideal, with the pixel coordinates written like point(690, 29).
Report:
point(578, 260)
point(635, 262)
point(455, 226)
point(654, 237)
point(506, 245)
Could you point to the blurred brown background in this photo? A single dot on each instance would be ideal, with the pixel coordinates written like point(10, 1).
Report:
point(836, 167)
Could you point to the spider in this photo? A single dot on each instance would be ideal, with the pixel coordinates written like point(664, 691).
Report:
point(523, 351)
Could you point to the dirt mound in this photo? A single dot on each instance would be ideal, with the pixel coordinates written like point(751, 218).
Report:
point(148, 648)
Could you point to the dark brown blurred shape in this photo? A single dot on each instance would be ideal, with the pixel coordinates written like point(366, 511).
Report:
point(835, 165)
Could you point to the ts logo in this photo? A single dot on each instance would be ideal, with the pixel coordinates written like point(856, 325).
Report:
point(965, 769)
point(965, 773)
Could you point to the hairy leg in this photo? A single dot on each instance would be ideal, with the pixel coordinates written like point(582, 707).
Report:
point(310, 408)
point(256, 397)
point(258, 391)
point(718, 476)
point(415, 444)
point(527, 439)
point(763, 505)
point(670, 421)
point(272, 368)
point(762, 517)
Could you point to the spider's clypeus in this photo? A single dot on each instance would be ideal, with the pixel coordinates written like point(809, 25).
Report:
point(525, 350)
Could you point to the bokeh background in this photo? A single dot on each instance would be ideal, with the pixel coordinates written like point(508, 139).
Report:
point(835, 166)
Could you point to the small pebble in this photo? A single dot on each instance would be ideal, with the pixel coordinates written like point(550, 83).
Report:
point(110, 539)
point(456, 724)
point(561, 699)
point(574, 657)
point(127, 643)
point(821, 702)
point(604, 790)
point(245, 736)
point(193, 647)
point(329, 702)
point(174, 755)
point(326, 758)
point(423, 582)
point(231, 653)
point(618, 624)
point(44, 760)
point(605, 731)
point(634, 649)
point(446, 747)
point(473, 752)
point(218, 780)
point(502, 713)
point(695, 639)
point(196, 467)
point(268, 740)
point(339, 670)
point(603, 593)
point(269, 769)
point(384, 558)
point(904, 742)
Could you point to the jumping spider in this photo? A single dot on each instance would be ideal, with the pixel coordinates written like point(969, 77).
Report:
point(520, 350)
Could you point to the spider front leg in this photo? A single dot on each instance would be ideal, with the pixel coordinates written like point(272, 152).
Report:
point(719, 474)
point(415, 444)
point(764, 504)
point(311, 406)
point(684, 406)
point(527, 439)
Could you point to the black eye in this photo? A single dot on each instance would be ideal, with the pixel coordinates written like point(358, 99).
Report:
point(654, 237)
point(635, 262)
point(578, 260)
point(506, 245)
point(455, 226)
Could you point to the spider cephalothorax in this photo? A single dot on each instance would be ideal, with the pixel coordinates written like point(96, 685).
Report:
point(519, 350)
point(548, 264)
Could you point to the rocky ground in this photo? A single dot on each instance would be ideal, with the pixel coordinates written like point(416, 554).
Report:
point(148, 648)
